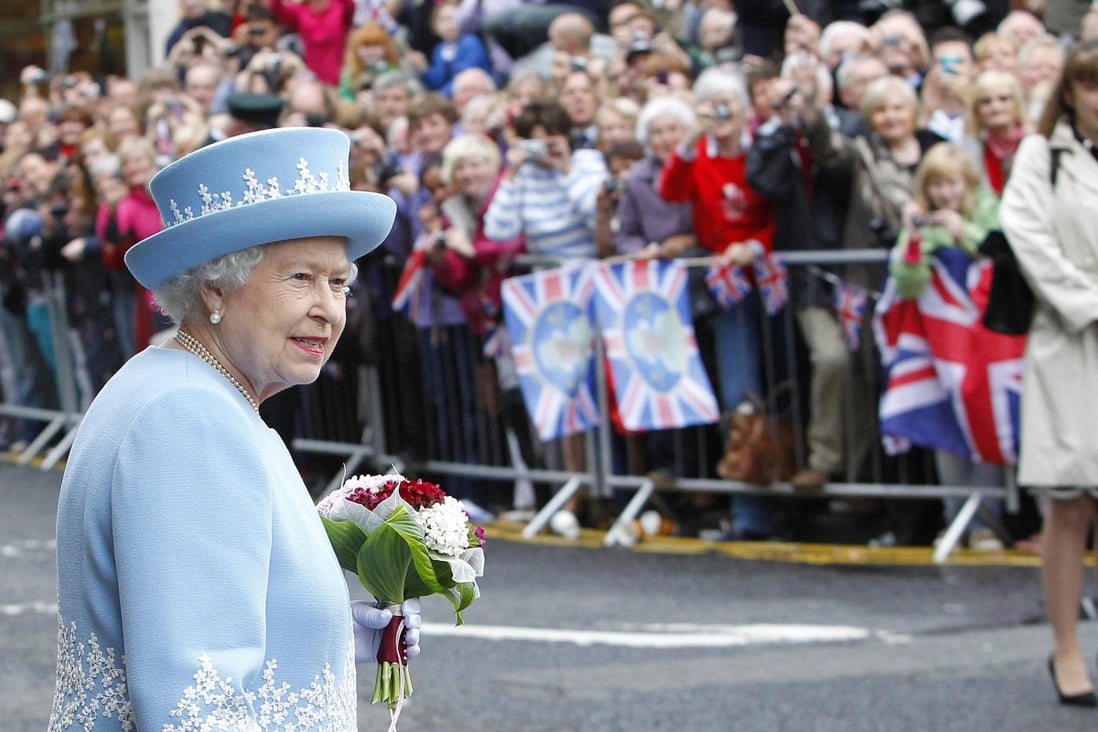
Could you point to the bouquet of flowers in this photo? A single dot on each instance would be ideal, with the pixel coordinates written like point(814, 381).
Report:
point(403, 538)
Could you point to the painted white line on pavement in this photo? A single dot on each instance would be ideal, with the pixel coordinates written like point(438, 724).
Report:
point(684, 636)
point(19, 548)
point(25, 608)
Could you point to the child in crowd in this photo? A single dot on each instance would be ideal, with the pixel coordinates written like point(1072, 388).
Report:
point(952, 209)
point(456, 52)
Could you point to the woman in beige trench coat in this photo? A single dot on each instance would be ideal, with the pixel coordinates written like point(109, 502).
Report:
point(1051, 220)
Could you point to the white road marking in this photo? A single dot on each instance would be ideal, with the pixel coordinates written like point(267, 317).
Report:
point(661, 636)
point(25, 608)
point(679, 635)
point(27, 546)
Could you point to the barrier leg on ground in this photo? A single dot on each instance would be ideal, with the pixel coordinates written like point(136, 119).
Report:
point(61, 449)
point(956, 529)
point(618, 533)
point(555, 503)
point(42, 439)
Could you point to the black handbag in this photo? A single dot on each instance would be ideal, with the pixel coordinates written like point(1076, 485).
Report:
point(1010, 301)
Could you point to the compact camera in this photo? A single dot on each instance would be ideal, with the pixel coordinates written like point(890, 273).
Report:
point(385, 170)
point(722, 112)
point(613, 185)
point(535, 149)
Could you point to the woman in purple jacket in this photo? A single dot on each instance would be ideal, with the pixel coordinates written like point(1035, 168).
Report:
point(647, 222)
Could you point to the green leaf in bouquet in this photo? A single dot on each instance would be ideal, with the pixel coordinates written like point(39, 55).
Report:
point(461, 596)
point(383, 562)
point(346, 540)
point(390, 551)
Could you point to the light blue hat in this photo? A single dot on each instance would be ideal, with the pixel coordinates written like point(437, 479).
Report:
point(254, 189)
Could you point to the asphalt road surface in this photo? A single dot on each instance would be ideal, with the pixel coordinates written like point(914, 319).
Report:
point(583, 638)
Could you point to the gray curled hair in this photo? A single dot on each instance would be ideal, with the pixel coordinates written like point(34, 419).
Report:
point(180, 298)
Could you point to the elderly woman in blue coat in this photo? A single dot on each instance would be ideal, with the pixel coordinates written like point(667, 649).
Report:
point(197, 588)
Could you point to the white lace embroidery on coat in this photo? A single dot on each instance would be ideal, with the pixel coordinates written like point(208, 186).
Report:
point(91, 683)
point(91, 686)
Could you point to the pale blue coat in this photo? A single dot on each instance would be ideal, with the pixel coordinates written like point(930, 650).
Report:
point(196, 587)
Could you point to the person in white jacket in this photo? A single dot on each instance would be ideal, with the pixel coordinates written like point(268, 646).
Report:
point(1047, 214)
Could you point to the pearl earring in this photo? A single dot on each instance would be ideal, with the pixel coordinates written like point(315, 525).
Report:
point(215, 317)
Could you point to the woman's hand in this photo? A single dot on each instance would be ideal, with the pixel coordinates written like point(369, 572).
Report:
point(951, 221)
point(560, 155)
point(802, 34)
point(74, 250)
point(416, 60)
point(738, 254)
point(786, 100)
point(516, 156)
point(675, 245)
point(606, 202)
point(458, 240)
point(405, 182)
point(909, 213)
point(369, 621)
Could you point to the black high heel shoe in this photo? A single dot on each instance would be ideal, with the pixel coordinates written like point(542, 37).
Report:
point(1086, 699)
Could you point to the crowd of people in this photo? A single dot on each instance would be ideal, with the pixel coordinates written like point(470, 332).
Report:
point(506, 129)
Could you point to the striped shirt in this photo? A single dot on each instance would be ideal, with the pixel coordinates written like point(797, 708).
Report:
point(555, 212)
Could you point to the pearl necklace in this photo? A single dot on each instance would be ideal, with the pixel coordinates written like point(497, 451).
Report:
point(192, 344)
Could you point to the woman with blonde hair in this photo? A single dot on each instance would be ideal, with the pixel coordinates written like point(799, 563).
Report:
point(996, 125)
point(616, 120)
point(954, 210)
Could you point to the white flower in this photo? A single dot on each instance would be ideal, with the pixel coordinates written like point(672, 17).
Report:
point(445, 529)
point(335, 505)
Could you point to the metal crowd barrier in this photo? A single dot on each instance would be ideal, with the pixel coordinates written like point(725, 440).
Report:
point(603, 473)
point(428, 401)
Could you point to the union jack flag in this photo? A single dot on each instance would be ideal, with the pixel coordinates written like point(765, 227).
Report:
point(770, 277)
point(642, 310)
point(951, 383)
point(850, 306)
point(410, 278)
point(547, 318)
point(728, 284)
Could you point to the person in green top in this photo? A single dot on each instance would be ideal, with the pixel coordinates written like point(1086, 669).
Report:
point(951, 209)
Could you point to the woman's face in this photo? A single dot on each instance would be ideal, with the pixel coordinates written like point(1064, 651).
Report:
point(524, 91)
point(122, 123)
point(92, 149)
point(614, 127)
point(665, 132)
point(713, 32)
point(997, 108)
point(1043, 65)
point(724, 129)
point(17, 136)
point(280, 328)
point(946, 192)
point(69, 131)
point(1084, 98)
point(556, 143)
point(893, 120)
point(371, 55)
point(999, 55)
point(472, 176)
point(137, 169)
point(432, 133)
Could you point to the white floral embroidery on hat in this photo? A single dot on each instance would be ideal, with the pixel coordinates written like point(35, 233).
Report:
point(307, 182)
